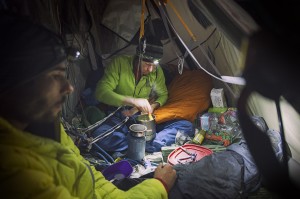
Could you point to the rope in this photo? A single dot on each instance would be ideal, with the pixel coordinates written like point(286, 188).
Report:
point(110, 131)
point(91, 127)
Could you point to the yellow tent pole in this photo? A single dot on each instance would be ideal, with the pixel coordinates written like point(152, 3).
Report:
point(244, 51)
point(181, 20)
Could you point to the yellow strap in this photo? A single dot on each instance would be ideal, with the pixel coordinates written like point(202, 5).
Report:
point(244, 51)
point(142, 19)
point(181, 20)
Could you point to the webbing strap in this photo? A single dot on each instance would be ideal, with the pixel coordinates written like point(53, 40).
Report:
point(181, 61)
point(142, 29)
point(164, 18)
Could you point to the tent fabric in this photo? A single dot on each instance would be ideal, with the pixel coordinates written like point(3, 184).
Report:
point(123, 17)
point(228, 59)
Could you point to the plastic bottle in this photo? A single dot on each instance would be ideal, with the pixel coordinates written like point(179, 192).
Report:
point(199, 137)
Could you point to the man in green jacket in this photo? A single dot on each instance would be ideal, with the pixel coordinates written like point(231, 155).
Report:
point(38, 158)
point(137, 84)
point(130, 80)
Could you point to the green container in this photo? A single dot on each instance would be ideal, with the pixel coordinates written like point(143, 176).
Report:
point(92, 114)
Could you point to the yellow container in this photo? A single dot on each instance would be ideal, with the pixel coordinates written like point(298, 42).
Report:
point(149, 122)
point(199, 137)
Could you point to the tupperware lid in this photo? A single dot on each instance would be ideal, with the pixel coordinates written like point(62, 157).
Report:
point(180, 154)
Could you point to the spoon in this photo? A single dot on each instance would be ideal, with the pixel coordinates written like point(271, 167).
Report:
point(118, 176)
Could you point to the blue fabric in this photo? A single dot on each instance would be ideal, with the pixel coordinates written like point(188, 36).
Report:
point(117, 141)
point(167, 133)
point(251, 176)
point(88, 97)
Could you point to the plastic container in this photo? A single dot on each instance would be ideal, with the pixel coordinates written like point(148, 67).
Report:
point(118, 171)
point(180, 154)
point(199, 137)
point(92, 115)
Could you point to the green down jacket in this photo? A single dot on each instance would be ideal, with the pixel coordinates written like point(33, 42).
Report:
point(118, 81)
point(41, 168)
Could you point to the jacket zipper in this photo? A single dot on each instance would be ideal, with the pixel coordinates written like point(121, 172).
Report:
point(142, 87)
point(93, 179)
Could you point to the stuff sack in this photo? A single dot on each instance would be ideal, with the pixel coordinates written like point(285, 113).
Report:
point(225, 174)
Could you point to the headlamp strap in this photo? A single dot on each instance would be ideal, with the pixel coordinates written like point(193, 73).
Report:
point(142, 29)
point(144, 47)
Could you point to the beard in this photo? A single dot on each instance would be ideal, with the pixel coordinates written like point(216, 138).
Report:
point(50, 112)
point(37, 111)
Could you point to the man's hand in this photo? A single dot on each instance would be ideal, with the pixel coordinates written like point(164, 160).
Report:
point(153, 107)
point(166, 174)
point(142, 104)
point(130, 112)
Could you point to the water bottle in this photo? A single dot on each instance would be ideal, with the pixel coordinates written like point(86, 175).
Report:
point(136, 142)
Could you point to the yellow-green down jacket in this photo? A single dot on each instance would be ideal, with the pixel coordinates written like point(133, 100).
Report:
point(41, 168)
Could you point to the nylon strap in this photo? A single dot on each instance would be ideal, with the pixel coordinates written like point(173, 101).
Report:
point(142, 29)
point(165, 21)
point(181, 20)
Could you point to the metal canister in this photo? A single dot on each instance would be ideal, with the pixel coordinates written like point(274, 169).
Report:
point(136, 142)
point(149, 122)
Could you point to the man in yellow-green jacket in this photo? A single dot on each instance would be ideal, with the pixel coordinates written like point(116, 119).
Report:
point(38, 158)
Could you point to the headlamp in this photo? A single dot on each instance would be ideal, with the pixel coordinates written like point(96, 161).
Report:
point(156, 62)
point(150, 51)
point(73, 53)
point(150, 60)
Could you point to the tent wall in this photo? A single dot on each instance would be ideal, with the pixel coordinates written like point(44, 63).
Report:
point(90, 26)
point(213, 50)
point(226, 57)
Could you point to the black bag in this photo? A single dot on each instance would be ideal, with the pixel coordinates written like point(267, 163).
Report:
point(226, 174)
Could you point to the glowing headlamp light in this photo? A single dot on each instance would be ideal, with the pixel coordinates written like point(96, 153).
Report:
point(156, 62)
point(150, 59)
point(73, 53)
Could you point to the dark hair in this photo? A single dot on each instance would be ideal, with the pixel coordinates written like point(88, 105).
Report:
point(27, 50)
